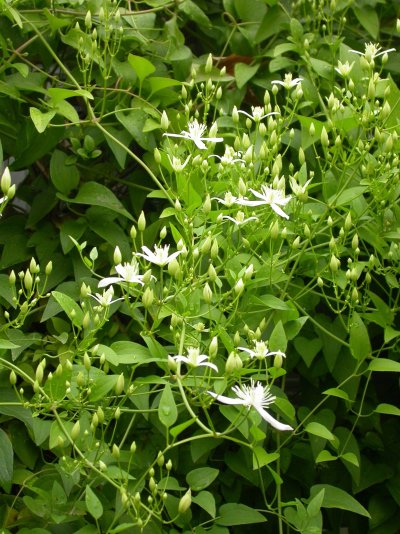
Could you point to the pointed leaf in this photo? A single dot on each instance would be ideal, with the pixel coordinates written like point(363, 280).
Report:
point(360, 345)
point(319, 430)
point(384, 365)
point(41, 120)
point(201, 478)
point(71, 308)
point(388, 409)
point(6, 461)
point(93, 503)
point(167, 411)
point(338, 498)
point(142, 66)
point(231, 514)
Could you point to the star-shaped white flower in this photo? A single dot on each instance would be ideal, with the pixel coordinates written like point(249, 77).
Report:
point(257, 113)
point(229, 199)
point(254, 396)
point(159, 256)
point(372, 51)
point(261, 351)
point(239, 218)
point(289, 82)
point(230, 156)
point(299, 190)
point(128, 273)
point(177, 164)
point(344, 69)
point(269, 196)
point(105, 299)
point(195, 359)
point(195, 134)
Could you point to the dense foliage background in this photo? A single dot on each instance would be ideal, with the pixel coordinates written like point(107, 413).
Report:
point(111, 400)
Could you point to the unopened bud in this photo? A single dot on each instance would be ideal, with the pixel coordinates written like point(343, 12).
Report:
point(207, 294)
point(141, 222)
point(119, 386)
point(233, 363)
point(76, 430)
point(185, 502)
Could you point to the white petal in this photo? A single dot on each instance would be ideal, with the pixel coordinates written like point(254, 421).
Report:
point(225, 400)
point(278, 210)
point(111, 280)
point(199, 143)
point(271, 420)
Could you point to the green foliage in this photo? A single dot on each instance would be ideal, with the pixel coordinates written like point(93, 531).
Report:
point(200, 260)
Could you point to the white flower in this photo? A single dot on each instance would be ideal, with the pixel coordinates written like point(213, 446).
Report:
point(230, 156)
point(239, 218)
point(372, 51)
point(128, 272)
point(159, 256)
point(195, 359)
point(257, 113)
point(261, 350)
point(254, 396)
point(105, 299)
point(289, 82)
point(271, 197)
point(195, 134)
point(344, 69)
point(299, 190)
point(229, 199)
point(176, 163)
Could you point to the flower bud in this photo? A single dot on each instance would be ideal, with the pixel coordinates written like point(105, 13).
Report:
point(207, 294)
point(239, 286)
point(5, 181)
point(119, 386)
point(28, 280)
point(209, 63)
point(185, 502)
point(141, 222)
point(233, 363)
point(164, 121)
point(334, 264)
point(157, 156)
point(324, 137)
point(117, 256)
point(213, 348)
point(148, 297)
point(76, 430)
point(13, 378)
point(207, 205)
point(48, 268)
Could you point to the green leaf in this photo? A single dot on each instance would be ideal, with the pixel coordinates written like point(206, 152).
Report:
point(101, 386)
point(338, 498)
point(277, 339)
point(64, 177)
point(142, 66)
point(388, 409)
point(71, 308)
point(178, 429)
point(319, 430)
point(205, 500)
point(261, 457)
point(93, 504)
point(41, 120)
point(157, 83)
point(314, 506)
point(96, 194)
point(6, 461)
point(201, 478)
point(68, 111)
point(244, 73)
point(231, 514)
point(368, 18)
point(322, 68)
point(325, 456)
point(336, 392)
point(308, 348)
point(347, 195)
point(129, 352)
point(167, 411)
point(134, 122)
point(273, 302)
point(194, 12)
point(6, 344)
point(58, 94)
point(360, 346)
point(384, 365)
point(351, 458)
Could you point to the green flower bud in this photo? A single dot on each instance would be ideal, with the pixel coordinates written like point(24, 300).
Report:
point(5, 181)
point(239, 286)
point(86, 361)
point(13, 378)
point(28, 280)
point(48, 268)
point(185, 502)
point(141, 222)
point(148, 297)
point(117, 256)
point(115, 451)
point(76, 430)
point(164, 121)
point(207, 294)
point(119, 386)
point(233, 363)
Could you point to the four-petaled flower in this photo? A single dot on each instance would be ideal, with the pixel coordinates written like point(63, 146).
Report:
point(195, 359)
point(261, 351)
point(372, 51)
point(257, 113)
point(229, 199)
point(344, 69)
point(254, 396)
point(230, 156)
point(159, 256)
point(177, 164)
point(299, 190)
point(105, 299)
point(128, 272)
point(239, 218)
point(289, 82)
point(271, 197)
point(195, 134)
